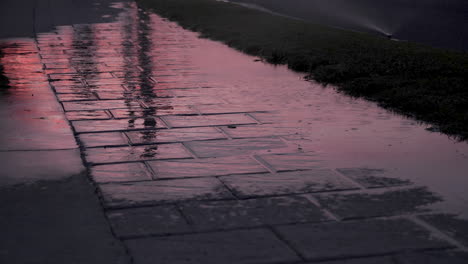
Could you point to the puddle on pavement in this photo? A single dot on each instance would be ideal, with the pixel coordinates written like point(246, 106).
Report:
point(142, 66)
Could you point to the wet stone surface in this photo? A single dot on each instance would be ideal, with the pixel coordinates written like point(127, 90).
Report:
point(237, 247)
point(381, 203)
point(354, 239)
point(252, 212)
point(255, 185)
point(146, 221)
point(161, 192)
point(208, 167)
point(202, 161)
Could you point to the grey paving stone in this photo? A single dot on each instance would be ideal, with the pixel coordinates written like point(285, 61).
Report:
point(86, 115)
point(436, 257)
point(252, 212)
point(99, 105)
point(113, 95)
point(383, 203)
point(255, 185)
point(175, 135)
point(206, 167)
point(164, 191)
point(371, 260)
point(157, 111)
point(237, 247)
point(452, 225)
point(86, 126)
point(122, 172)
point(76, 97)
point(157, 220)
point(217, 148)
point(291, 162)
point(224, 109)
point(355, 239)
point(372, 178)
point(208, 120)
point(251, 131)
point(136, 153)
point(103, 139)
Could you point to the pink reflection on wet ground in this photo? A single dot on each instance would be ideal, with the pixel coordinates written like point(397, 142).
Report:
point(31, 117)
point(145, 81)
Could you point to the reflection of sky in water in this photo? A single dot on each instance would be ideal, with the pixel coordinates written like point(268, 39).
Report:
point(342, 131)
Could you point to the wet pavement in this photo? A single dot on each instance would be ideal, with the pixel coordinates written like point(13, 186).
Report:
point(202, 154)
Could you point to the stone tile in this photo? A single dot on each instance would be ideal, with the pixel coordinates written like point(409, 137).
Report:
point(371, 260)
point(291, 162)
point(373, 178)
point(122, 172)
point(158, 220)
point(217, 148)
point(175, 135)
point(136, 153)
point(355, 239)
point(382, 203)
point(268, 118)
point(209, 120)
point(436, 257)
point(234, 247)
point(113, 95)
point(254, 185)
point(225, 109)
point(99, 105)
point(63, 97)
point(255, 131)
point(160, 192)
point(103, 139)
point(155, 111)
point(452, 225)
point(83, 126)
point(205, 167)
point(252, 212)
point(87, 115)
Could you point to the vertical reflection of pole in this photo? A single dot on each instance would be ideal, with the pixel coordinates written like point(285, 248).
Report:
point(148, 94)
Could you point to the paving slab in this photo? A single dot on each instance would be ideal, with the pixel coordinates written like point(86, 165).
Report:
point(355, 239)
point(291, 162)
point(175, 135)
point(382, 203)
point(209, 120)
point(148, 123)
point(206, 167)
point(164, 191)
point(251, 131)
point(136, 153)
point(99, 105)
point(122, 172)
point(368, 260)
point(87, 115)
point(372, 178)
point(435, 257)
point(216, 148)
point(236, 247)
point(157, 111)
point(450, 224)
point(253, 212)
point(103, 139)
point(255, 185)
point(147, 221)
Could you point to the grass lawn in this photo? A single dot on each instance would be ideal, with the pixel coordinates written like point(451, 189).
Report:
point(426, 83)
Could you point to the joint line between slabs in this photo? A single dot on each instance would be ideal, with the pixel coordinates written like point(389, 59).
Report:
point(263, 163)
point(436, 232)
